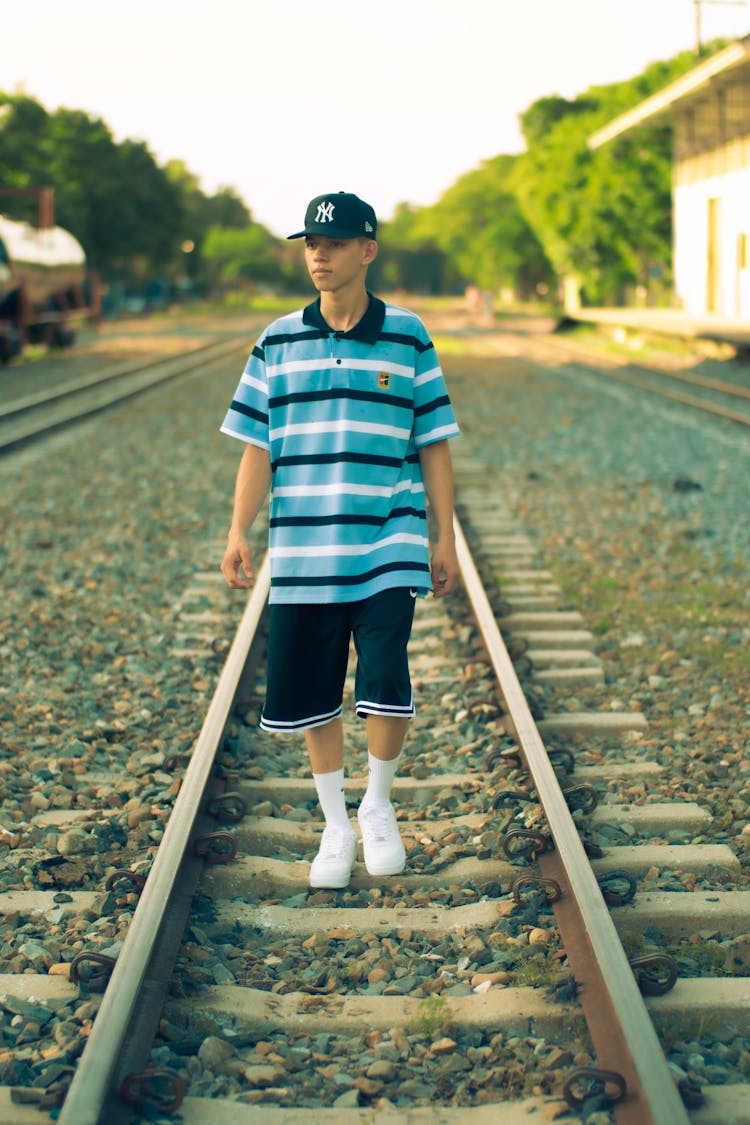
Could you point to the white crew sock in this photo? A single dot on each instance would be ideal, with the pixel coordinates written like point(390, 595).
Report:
point(330, 787)
point(380, 777)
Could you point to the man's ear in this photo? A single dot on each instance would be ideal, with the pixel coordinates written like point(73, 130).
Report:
point(370, 251)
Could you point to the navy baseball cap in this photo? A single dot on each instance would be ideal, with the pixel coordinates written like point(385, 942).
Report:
point(339, 215)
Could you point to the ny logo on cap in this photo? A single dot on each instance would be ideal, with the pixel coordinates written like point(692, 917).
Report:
point(324, 213)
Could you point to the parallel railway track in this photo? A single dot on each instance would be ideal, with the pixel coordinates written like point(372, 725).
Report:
point(33, 416)
point(718, 397)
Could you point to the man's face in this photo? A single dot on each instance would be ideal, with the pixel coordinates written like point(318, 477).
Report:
point(336, 263)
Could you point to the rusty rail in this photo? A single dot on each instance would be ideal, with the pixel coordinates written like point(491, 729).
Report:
point(90, 1088)
point(623, 1034)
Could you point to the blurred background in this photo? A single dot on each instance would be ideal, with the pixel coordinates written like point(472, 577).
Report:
point(181, 142)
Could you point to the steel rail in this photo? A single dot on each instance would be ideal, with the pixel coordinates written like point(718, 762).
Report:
point(621, 1029)
point(721, 386)
point(615, 370)
point(686, 399)
point(90, 1088)
point(102, 392)
point(76, 386)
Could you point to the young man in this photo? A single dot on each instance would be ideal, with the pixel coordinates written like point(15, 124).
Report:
point(345, 417)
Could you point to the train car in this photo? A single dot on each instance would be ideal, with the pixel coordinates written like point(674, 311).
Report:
point(44, 285)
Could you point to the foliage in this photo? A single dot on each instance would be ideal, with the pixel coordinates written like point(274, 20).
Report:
point(515, 224)
point(113, 197)
point(475, 233)
point(559, 209)
point(199, 214)
point(134, 218)
point(604, 215)
point(409, 257)
point(481, 228)
point(244, 254)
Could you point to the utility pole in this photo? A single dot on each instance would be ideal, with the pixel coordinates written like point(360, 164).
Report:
point(697, 5)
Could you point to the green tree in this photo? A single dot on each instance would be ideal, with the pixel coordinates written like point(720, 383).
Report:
point(409, 257)
point(604, 216)
point(113, 197)
point(482, 230)
point(246, 256)
point(199, 212)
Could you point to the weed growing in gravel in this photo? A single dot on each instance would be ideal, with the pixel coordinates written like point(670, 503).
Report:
point(536, 972)
point(679, 1030)
point(705, 958)
point(578, 1038)
point(430, 1018)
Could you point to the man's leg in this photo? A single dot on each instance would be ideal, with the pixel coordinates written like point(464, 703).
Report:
point(384, 696)
point(308, 652)
point(325, 746)
point(385, 739)
point(385, 736)
point(333, 864)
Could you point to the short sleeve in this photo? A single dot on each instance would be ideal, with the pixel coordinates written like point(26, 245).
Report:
point(434, 419)
point(247, 416)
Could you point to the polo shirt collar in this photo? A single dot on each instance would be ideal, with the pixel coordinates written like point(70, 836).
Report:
point(367, 330)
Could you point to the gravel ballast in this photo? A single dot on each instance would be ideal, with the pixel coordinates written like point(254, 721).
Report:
point(637, 507)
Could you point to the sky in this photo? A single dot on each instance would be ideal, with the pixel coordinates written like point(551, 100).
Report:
point(283, 100)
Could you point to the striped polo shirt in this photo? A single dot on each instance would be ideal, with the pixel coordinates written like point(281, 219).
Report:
point(343, 415)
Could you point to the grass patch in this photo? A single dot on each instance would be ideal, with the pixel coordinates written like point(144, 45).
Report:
point(642, 346)
point(536, 972)
point(673, 597)
point(431, 1017)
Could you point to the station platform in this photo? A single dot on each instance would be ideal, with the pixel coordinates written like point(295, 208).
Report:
point(669, 322)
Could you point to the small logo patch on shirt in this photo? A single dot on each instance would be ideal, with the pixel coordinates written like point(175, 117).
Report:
point(384, 379)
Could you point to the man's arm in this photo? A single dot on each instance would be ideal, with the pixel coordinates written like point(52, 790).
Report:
point(437, 472)
point(250, 491)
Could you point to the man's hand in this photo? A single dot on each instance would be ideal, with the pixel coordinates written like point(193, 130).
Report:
point(238, 561)
point(444, 568)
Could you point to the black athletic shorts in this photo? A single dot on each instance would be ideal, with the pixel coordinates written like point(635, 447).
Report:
point(308, 653)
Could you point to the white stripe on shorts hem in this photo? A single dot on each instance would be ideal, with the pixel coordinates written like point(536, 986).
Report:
point(298, 724)
point(365, 707)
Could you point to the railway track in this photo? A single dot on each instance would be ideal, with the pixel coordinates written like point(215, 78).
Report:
point(721, 398)
point(482, 810)
point(310, 1006)
point(26, 419)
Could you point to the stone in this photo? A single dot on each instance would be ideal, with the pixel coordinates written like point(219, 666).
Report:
point(498, 977)
point(381, 1068)
point(443, 1046)
point(737, 958)
point(214, 1051)
point(73, 842)
point(262, 1075)
point(368, 1087)
point(37, 954)
point(222, 975)
point(556, 1059)
point(349, 1100)
point(539, 936)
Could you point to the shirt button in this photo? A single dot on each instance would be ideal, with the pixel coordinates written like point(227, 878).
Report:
point(338, 361)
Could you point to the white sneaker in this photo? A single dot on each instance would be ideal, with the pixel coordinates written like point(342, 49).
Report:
point(383, 847)
point(332, 866)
